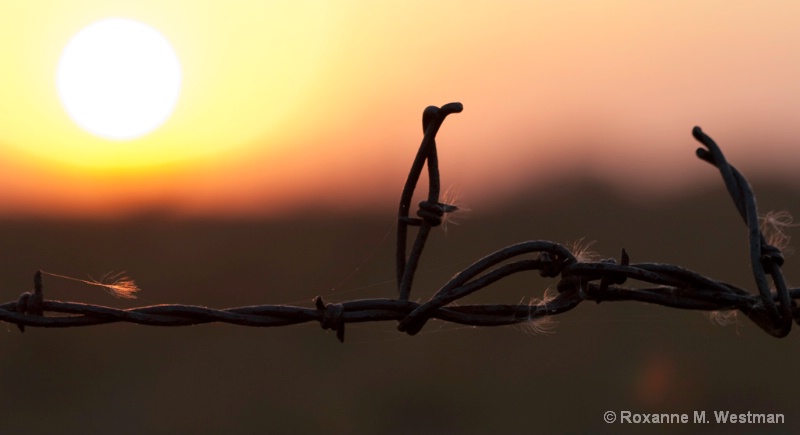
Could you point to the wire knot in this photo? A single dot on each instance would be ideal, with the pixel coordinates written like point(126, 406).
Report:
point(771, 255)
point(615, 278)
point(332, 317)
point(433, 212)
point(32, 303)
point(612, 278)
point(553, 265)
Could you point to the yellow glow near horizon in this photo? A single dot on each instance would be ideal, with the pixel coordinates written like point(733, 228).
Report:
point(288, 102)
point(119, 79)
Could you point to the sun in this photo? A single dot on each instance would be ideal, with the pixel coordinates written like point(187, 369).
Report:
point(119, 79)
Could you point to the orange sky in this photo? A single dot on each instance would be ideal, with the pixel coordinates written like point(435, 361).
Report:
point(293, 105)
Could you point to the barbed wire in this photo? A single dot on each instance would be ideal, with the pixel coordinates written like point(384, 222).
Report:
point(772, 309)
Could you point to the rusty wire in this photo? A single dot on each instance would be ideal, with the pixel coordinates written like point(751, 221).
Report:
point(772, 309)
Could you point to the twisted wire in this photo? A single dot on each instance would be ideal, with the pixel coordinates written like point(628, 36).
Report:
point(772, 309)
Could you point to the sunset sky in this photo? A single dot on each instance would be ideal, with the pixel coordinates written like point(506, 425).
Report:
point(288, 106)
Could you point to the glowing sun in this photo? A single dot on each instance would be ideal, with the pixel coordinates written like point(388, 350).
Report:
point(119, 79)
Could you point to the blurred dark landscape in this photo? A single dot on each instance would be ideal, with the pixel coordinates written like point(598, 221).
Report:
point(217, 378)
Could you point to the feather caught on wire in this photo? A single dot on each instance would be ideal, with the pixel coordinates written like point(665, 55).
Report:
point(118, 284)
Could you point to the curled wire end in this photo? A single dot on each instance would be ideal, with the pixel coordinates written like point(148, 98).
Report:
point(698, 134)
point(449, 108)
point(431, 113)
point(703, 153)
point(704, 139)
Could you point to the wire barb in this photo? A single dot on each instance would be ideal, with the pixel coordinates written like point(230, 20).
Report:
point(580, 276)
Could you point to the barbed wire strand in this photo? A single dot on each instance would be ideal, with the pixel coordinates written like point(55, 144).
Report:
point(599, 281)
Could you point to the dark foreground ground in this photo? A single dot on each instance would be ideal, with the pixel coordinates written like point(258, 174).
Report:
point(218, 378)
